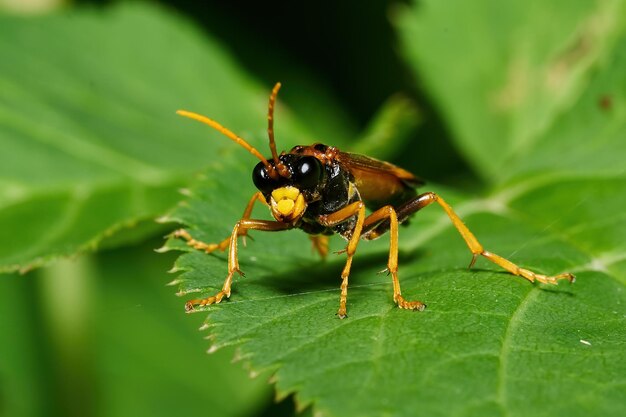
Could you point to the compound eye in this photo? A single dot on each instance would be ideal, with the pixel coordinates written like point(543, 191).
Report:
point(307, 173)
point(261, 178)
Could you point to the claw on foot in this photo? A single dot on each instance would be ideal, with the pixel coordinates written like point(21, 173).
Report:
point(409, 305)
point(201, 302)
point(544, 279)
point(526, 273)
point(196, 244)
point(553, 280)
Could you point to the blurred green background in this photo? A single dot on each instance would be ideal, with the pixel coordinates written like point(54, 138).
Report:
point(101, 334)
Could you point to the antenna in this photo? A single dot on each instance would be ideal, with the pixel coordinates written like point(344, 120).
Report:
point(282, 169)
point(215, 125)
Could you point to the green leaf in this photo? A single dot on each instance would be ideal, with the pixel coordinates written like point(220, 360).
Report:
point(501, 72)
point(594, 129)
point(20, 358)
point(488, 344)
point(90, 142)
point(390, 129)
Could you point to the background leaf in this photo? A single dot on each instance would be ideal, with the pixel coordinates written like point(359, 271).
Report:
point(501, 72)
point(102, 335)
point(90, 140)
point(488, 343)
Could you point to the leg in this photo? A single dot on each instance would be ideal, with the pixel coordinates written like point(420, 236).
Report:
point(233, 262)
point(358, 209)
point(320, 244)
point(372, 221)
point(210, 247)
point(474, 246)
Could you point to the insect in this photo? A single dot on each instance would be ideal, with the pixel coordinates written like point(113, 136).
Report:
point(322, 191)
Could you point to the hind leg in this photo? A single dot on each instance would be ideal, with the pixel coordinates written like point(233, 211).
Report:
point(423, 200)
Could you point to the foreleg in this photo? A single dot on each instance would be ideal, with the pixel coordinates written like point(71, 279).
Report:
point(233, 261)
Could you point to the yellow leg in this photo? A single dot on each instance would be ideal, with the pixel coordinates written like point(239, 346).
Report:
point(199, 245)
point(477, 249)
point(388, 212)
point(233, 261)
point(221, 246)
point(320, 244)
point(358, 209)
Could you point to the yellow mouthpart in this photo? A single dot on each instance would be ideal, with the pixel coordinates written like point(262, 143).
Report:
point(287, 204)
point(288, 192)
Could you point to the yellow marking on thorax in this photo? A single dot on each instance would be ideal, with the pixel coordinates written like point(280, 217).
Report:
point(351, 190)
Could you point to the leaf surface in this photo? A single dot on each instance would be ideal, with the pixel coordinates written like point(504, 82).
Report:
point(488, 344)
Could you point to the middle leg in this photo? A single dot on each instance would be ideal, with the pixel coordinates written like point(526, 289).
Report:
point(320, 244)
point(388, 214)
